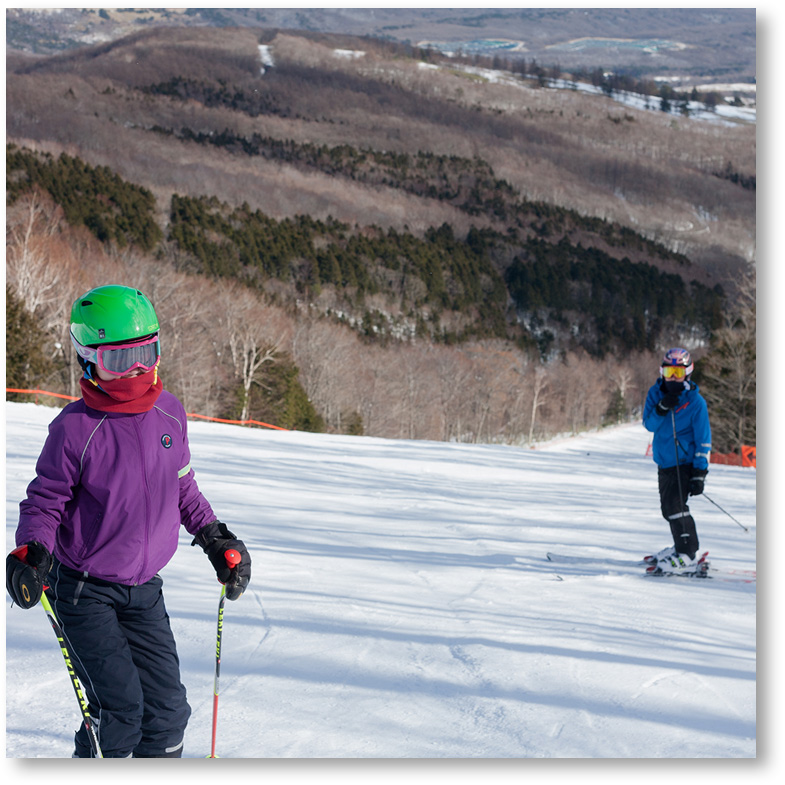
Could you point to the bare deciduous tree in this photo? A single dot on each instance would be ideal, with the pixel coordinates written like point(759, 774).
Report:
point(453, 372)
point(252, 332)
point(42, 269)
point(328, 358)
point(729, 372)
point(539, 386)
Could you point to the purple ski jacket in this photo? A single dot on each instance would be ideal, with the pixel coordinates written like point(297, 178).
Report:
point(111, 491)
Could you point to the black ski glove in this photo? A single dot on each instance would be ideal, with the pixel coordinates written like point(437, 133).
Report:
point(26, 568)
point(215, 540)
point(669, 400)
point(697, 479)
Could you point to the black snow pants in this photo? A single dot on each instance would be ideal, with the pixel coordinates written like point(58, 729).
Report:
point(123, 652)
point(674, 485)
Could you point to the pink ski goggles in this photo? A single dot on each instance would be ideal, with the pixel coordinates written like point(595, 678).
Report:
point(121, 358)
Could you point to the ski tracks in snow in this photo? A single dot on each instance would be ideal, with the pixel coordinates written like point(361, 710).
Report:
point(487, 714)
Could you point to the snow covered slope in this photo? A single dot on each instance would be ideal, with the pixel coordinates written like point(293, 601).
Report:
point(402, 605)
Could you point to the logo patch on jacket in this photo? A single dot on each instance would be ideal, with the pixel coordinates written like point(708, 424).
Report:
point(166, 440)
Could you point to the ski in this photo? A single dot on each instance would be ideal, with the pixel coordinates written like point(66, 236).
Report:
point(621, 566)
point(748, 576)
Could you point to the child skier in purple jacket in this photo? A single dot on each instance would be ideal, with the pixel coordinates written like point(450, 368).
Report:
point(113, 485)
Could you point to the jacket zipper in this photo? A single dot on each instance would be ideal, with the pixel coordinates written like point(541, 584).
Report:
point(678, 442)
point(146, 494)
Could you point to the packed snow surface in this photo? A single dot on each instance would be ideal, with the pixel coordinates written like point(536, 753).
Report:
point(402, 605)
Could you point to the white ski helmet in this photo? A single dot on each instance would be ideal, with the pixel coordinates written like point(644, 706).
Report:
point(678, 358)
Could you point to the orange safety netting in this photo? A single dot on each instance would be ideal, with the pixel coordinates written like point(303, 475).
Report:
point(747, 457)
point(197, 416)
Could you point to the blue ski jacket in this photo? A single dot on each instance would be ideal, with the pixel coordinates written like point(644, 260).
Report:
point(693, 432)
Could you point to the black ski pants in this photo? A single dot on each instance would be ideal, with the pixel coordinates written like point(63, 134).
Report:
point(123, 652)
point(674, 485)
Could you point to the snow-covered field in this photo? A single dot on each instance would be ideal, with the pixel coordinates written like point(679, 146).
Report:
point(402, 605)
point(724, 114)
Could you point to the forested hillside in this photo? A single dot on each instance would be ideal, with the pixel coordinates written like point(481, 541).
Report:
point(491, 261)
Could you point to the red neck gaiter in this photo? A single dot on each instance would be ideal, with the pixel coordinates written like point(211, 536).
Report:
point(132, 395)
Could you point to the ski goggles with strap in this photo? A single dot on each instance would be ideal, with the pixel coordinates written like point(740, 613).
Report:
point(121, 358)
point(677, 372)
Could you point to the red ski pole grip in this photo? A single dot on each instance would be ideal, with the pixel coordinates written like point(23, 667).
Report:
point(232, 557)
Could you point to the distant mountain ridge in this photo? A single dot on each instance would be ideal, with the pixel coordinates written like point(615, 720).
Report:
point(577, 152)
point(699, 43)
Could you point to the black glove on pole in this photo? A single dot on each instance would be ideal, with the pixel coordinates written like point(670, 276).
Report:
point(697, 480)
point(26, 568)
point(215, 540)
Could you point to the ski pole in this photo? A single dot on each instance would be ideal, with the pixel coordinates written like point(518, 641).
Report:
point(232, 559)
point(92, 734)
point(708, 498)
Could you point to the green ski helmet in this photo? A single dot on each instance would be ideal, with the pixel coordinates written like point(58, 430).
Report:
point(112, 314)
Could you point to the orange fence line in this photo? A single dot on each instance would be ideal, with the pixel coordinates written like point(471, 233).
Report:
point(748, 457)
point(188, 414)
point(41, 392)
point(238, 422)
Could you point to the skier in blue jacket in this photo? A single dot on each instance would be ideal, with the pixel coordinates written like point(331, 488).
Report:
point(676, 413)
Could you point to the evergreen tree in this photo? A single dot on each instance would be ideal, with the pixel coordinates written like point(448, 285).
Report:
point(26, 366)
point(616, 410)
point(279, 398)
point(112, 209)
